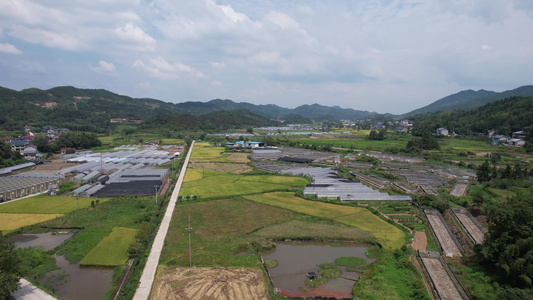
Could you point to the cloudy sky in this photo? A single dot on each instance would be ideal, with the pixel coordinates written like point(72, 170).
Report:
point(377, 55)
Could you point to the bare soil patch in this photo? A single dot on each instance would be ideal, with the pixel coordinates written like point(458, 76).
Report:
point(209, 283)
point(51, 167)
point(421, 241)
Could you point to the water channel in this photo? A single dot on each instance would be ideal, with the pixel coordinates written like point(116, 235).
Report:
point(70, 281)
point(295, 260)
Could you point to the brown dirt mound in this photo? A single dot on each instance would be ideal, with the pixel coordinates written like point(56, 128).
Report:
point(209, 283)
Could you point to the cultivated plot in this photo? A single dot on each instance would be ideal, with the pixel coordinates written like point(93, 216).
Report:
point(387, 234)
point(112, 250)
point(10, 222)
point(209, 283)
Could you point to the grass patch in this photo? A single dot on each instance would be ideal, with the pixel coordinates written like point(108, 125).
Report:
point(219, 228)
point(359, 217)
point(415, 226)
point(35, 262)
point(99, 222)
point(315, 282)
point(47, 205)
point(112, 250)
point(373, 251)
point(271, 263)
point(329, 270)
point(475, 279)
point(391, 276)
point(314, 230)
point(9, 222)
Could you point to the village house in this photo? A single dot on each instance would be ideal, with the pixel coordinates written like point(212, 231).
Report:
point(18, 145)
point(30, 152)
point(442, 131)
point(499, 138)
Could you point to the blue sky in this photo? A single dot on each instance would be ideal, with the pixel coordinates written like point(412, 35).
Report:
point(384, 56)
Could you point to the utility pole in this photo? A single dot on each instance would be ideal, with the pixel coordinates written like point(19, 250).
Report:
point(156, 186)
point(190, 255)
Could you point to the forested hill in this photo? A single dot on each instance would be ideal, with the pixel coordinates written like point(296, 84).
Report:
point(505, 116)
point(218, 120)
point(469, 99)
point(92, 109)
point(81, 109)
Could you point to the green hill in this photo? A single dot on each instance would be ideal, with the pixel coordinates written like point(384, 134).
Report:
point(505, 116)
point(469, 100)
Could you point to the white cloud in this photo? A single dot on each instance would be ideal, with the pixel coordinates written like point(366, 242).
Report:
point(363, 54)
point(217, 65)
point(160, 68)
point(104, 67)
point(10, 49)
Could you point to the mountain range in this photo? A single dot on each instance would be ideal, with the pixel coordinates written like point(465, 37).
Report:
point(90, 109)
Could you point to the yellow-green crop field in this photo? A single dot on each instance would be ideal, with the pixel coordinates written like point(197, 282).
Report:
point(112, 250)
point(47, 205)
point(206, 151)
point(388, 235)
point(218, 184)
point(9, 222)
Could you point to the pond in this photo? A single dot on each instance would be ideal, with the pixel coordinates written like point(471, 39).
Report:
point(295, 260)
point(48, 240)
point(70, 281)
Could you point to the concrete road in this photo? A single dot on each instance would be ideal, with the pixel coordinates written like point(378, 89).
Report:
point(28, 291)
point(148, 275)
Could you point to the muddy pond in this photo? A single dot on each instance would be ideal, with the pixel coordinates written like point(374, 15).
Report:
point(70, 281)
point(295, 260)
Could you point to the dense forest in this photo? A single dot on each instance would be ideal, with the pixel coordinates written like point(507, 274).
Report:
point(505, 116)
point(219, 120)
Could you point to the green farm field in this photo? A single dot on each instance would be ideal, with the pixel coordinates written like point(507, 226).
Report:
point(99, 222)
point(388, 235)
point(217, 184)
point(220, 228)
point(112, 250)
point(361, 143)
point(47, 205)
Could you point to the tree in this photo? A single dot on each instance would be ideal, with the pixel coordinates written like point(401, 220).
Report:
point(509, 245)
point(483, 173)
point(41, 142)
point(10, 272)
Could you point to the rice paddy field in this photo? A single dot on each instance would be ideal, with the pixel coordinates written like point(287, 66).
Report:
point(47, 205)
point(388, 235)
point(112, 250)
point(38, 209)
point(211, 184)
point(10, 222)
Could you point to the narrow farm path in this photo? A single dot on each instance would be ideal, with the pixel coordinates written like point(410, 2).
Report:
point(148, 275)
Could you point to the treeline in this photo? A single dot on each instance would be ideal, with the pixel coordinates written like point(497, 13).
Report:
point(220, 120)
point(78, 140)
point(505, 116)
point(9, 158)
